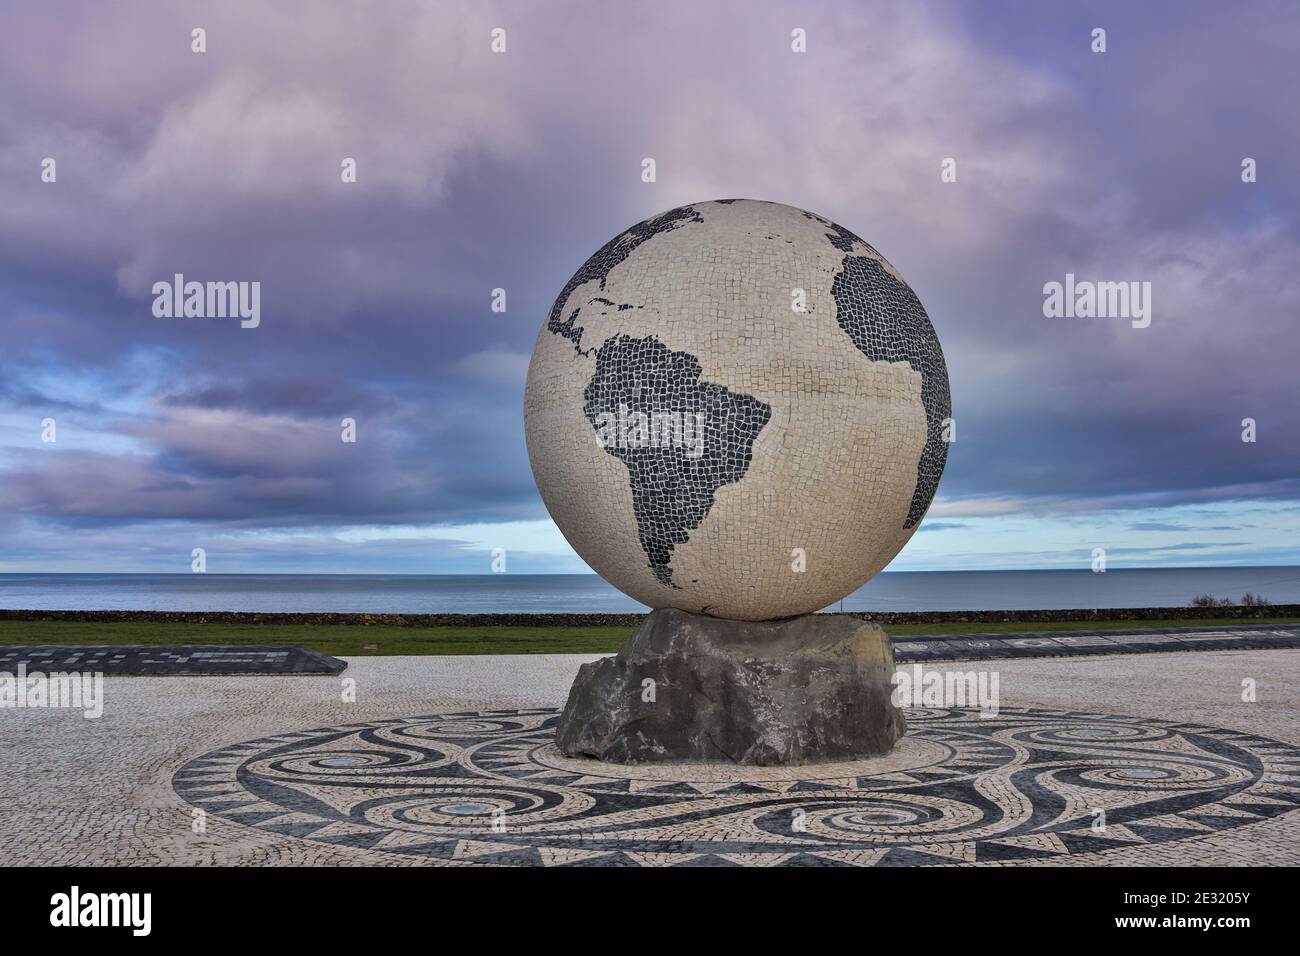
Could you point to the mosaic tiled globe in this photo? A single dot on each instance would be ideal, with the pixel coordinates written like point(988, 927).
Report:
point(737, 408)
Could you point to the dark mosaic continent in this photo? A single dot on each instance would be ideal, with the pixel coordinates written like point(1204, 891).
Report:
point(606, 258)
point(672, 492)
point(887, 323)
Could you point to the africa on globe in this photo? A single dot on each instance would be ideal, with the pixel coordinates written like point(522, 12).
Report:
point(737, 408)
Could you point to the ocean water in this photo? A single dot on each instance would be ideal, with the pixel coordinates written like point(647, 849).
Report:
point(578, 593)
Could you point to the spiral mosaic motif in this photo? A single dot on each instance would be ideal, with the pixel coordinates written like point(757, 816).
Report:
point(491, 788)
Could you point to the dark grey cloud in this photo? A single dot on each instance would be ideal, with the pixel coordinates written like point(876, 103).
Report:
point(478, 172)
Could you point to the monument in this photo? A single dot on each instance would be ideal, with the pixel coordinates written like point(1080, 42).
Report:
point(737, 414)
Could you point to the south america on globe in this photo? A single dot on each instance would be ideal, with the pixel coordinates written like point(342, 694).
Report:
point(739, 409)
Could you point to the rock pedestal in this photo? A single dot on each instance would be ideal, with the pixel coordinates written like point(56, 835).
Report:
point(688, 687)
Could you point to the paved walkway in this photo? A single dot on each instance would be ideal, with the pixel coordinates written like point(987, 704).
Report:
point(209, 660)
point(1061, 643)
point(145, 659)
point(1186, 771)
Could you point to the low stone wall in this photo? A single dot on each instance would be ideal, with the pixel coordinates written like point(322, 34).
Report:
point(631, 620)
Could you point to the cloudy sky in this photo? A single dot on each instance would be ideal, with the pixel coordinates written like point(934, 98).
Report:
point(478, 171)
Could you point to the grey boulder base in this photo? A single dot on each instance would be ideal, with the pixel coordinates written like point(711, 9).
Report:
point(689, 687)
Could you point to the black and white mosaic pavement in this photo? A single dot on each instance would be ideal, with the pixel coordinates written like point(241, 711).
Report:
point(175, 660)
point(215, 660)
point(961, 647)
point(490, 787)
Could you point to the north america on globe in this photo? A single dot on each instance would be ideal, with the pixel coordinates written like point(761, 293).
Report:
point(780, 399)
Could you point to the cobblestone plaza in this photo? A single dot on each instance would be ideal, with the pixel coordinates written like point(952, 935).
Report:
point(447, 761)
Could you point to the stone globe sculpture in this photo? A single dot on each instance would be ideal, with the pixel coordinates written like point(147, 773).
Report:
point(739, 410)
